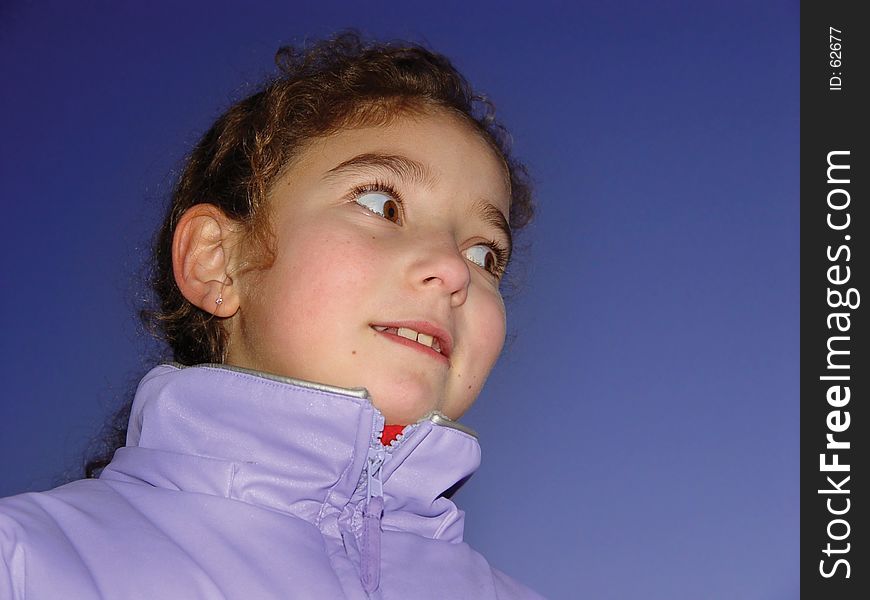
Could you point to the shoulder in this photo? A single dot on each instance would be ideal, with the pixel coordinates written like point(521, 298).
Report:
point(26, 517)
point(443, 569)
point(46, 539)
point(12, 559)
point(36, 513)
point(72, 515)
point(507, 588)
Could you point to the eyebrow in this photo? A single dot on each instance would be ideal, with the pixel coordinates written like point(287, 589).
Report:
point(413, 172)
point(493, 216)
point(404, 168)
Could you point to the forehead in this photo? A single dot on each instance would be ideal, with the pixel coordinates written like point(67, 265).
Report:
point(442, 152)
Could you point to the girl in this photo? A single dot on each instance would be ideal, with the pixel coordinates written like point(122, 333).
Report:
point(328, 279)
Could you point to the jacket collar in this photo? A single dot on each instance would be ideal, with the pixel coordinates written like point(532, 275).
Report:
point(290, 445)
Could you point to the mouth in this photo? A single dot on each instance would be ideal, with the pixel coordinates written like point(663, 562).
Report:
point(419, 335)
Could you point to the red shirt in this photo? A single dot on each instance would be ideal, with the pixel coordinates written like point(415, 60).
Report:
point(390, 433)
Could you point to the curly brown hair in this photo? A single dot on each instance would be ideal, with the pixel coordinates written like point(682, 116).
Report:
point(338, 83)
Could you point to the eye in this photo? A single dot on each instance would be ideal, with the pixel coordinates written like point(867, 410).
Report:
point(485, 257)
point(380, 202)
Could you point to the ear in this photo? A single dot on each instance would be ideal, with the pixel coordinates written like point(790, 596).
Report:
point(203, 255)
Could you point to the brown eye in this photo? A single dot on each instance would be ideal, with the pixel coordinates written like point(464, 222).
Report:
point(490, 261)
point(381, 204)
point(483, 256)
point(391, 210)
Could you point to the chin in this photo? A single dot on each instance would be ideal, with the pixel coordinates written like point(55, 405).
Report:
point(403, 406)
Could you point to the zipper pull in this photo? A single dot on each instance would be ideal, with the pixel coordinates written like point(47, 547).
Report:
point(375, 486)
point(370, 537)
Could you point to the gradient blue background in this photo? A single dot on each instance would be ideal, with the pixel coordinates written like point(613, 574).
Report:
point(640, 435)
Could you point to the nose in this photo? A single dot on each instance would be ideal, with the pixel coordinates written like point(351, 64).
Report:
point(442, 267)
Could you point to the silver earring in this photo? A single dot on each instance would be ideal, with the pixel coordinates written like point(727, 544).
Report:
point(219, 300)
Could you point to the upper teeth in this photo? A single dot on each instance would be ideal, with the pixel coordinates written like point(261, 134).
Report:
point(420, 338)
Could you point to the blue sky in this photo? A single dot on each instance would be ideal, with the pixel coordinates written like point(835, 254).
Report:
point(640, 434)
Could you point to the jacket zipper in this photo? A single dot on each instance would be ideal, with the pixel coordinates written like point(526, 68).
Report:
point(378, 454)
point(373, 507)
point(370, 538)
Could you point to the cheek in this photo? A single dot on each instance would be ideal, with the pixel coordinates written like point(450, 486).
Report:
point(322, 274)
point(489, 330)
point(485, 331)
point(325, 262)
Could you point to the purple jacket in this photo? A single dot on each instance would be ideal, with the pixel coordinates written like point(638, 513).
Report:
point(236, 484)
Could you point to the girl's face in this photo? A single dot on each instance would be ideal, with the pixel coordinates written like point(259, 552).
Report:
point(384, 226)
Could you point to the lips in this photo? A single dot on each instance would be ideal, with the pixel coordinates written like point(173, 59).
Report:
point(423, 334)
